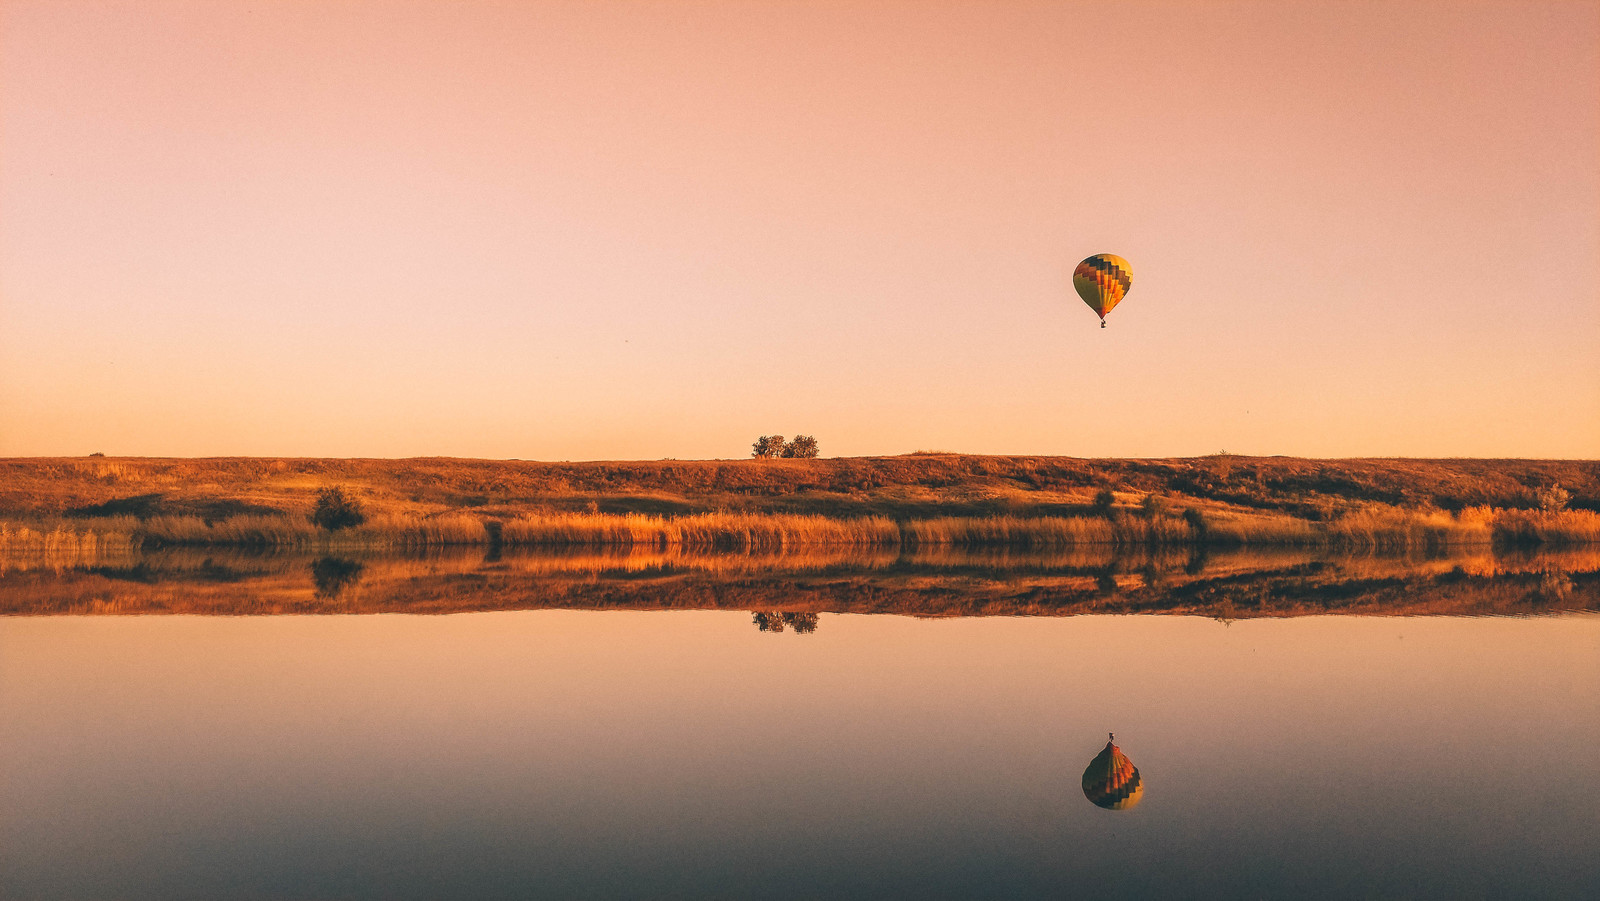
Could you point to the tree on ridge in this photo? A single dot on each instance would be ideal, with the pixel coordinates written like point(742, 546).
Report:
point(767, 447)
point(803, 446)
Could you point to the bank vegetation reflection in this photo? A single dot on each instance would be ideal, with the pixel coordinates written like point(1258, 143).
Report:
point(787, 591)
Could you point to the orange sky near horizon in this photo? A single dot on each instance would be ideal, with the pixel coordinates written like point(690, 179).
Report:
point(615, 230)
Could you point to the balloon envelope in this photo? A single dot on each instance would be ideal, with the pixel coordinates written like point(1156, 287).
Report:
point(1102, 281)
point(1112, 781)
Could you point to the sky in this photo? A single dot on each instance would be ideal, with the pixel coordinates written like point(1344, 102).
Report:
point(644, 230)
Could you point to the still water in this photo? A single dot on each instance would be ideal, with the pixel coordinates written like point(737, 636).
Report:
point(571, 753)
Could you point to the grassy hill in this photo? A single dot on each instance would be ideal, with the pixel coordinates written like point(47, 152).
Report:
point(912, 486)
point(444, 500)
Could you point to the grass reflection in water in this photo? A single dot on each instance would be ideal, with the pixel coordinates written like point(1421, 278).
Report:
point(788, 590)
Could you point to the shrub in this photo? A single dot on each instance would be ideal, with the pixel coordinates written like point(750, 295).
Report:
point(803, 446)
point(1553, 499)
point(767, 447)
point(1153, 506)
point(1103, 499)
point(336, 510)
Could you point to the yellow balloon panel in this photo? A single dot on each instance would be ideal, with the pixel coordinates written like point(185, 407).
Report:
point(1102, 281)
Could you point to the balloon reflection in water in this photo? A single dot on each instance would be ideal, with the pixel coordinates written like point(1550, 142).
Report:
point(1112, 781)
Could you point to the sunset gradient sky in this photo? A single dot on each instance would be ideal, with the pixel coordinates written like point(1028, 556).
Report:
point(640, 230)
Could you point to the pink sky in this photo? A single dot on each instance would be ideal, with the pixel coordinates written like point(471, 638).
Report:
point(592, 230)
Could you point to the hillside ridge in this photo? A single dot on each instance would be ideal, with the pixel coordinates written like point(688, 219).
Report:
point(907, 486)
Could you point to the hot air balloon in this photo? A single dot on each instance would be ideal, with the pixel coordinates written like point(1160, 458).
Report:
point(1102, 281)
point(1112, 781)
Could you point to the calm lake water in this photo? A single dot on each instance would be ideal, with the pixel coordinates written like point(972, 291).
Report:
point(629, 752)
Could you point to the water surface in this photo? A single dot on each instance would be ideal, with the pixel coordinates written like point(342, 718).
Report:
point(691, 753)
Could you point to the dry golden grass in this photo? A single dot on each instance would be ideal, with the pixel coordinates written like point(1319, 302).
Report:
point(724, 531)
point(382, 531)
point(1390, 528)
point(1569, 527)
point(1380, 527)
point(1047, 531)
point(1009, 530)
point(61, 539)
point(1250, 529)
point(1372, 527)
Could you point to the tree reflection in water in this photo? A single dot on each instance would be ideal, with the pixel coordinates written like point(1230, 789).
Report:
point(774, 621)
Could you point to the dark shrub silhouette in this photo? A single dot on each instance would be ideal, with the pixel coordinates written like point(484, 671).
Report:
point(336, 510)
point(1103, 499)
point(332, 575)
point(767, 447)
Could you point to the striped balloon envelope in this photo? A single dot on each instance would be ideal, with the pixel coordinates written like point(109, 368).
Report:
point(1112, 781)
point(1102, 281)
